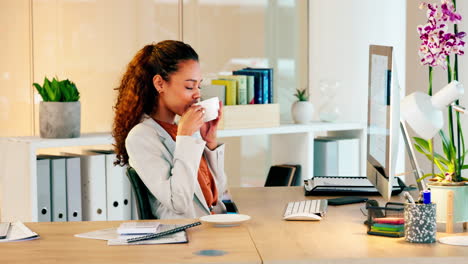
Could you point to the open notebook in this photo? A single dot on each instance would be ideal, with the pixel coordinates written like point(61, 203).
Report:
point(19, 232)
point(113, 238)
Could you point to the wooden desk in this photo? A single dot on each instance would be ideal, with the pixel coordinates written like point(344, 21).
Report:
point(340, 237)
point(58, 245)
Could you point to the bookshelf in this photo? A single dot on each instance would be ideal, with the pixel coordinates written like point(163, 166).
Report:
point(291, 143)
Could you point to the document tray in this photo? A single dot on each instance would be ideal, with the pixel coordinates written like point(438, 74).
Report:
point(330, 185)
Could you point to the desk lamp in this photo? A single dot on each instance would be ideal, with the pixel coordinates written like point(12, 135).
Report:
point(424, 114)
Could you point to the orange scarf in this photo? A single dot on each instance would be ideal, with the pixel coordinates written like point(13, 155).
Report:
point(205, 178)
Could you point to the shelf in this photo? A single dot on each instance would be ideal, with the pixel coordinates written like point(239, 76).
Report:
point(290, 129)
point(290, 144)
point(84, 140)
point(106, 138)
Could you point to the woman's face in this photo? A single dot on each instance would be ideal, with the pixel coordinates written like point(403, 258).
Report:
point(183, 88)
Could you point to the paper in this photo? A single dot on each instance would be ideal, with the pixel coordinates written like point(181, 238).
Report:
point(19, 232)
point(103, 234)
point(455, 240)
point(133, 228)
point(113, 238)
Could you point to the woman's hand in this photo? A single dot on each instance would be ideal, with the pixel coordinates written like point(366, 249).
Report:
point(208, 129)
point(191, 121)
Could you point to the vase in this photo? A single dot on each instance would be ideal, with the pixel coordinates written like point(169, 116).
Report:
point(302, 112)
point(460, 202)
point(60, 119)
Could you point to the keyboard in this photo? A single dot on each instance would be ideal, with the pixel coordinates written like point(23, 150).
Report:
point(305, 210)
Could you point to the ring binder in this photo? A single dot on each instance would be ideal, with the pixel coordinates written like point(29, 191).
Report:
point(161, 234)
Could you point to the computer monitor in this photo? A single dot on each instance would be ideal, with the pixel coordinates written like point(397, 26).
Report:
point(383, 119)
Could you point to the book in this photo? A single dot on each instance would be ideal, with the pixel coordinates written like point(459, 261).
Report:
point(267, 83)
point(264, 83)
point(19, 232)
point(250, 89)
point(258, 84)
point(241, 87)
point(231, 89)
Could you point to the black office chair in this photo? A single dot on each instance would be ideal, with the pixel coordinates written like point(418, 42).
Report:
point(140, 192)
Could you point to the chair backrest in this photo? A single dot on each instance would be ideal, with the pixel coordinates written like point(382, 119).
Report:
point(140, 192)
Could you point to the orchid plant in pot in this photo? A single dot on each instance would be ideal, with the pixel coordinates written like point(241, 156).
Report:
point(439, 44)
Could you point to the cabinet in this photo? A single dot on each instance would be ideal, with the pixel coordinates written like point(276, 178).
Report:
point(290, 143)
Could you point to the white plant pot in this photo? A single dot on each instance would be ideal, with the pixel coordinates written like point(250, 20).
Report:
point(460, 202)
point(302, 112)
point(60, 119)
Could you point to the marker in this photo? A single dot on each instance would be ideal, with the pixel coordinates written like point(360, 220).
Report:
point(427, 197)
point(409, 197)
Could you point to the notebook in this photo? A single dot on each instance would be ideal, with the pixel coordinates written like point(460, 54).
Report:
point(167, 234)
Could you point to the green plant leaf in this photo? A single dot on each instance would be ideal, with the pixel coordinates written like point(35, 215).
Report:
point(441, 159)
point(301, 94)
point(75, 95)
point(58, 91)
point(437, 162)
point(420, 149)
point(41, 91)
point(428, 175)
point(48, 89)
point(447, 146)
point(65, 90)
point(422, 142)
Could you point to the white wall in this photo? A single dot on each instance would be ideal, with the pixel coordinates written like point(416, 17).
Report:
point(417, 74)
point(340, 35)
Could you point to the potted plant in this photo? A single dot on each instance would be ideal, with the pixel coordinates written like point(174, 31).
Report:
point(302, 109)
point(60, 110)
point(438, 44)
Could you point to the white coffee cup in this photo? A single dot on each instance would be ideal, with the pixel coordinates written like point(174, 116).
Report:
point(211, 107)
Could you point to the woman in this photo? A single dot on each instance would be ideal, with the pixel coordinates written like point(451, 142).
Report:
point(184, 173)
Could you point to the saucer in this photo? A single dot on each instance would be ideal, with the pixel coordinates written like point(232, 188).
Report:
point(225, 219)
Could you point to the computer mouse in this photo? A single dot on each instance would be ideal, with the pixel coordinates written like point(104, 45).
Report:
point(303, 216)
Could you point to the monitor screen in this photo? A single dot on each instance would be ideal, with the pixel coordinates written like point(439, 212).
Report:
point(383, 119)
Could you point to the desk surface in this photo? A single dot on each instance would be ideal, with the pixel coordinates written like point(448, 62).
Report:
point(340, 237)
point(58, 245)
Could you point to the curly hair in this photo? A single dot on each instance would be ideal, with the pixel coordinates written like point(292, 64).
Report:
point(136, 92)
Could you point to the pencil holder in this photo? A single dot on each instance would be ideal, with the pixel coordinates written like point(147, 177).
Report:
point(385, 221)
point(420, 223)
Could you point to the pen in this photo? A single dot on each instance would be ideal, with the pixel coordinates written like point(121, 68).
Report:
point(409, 198)
point(420, 197)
